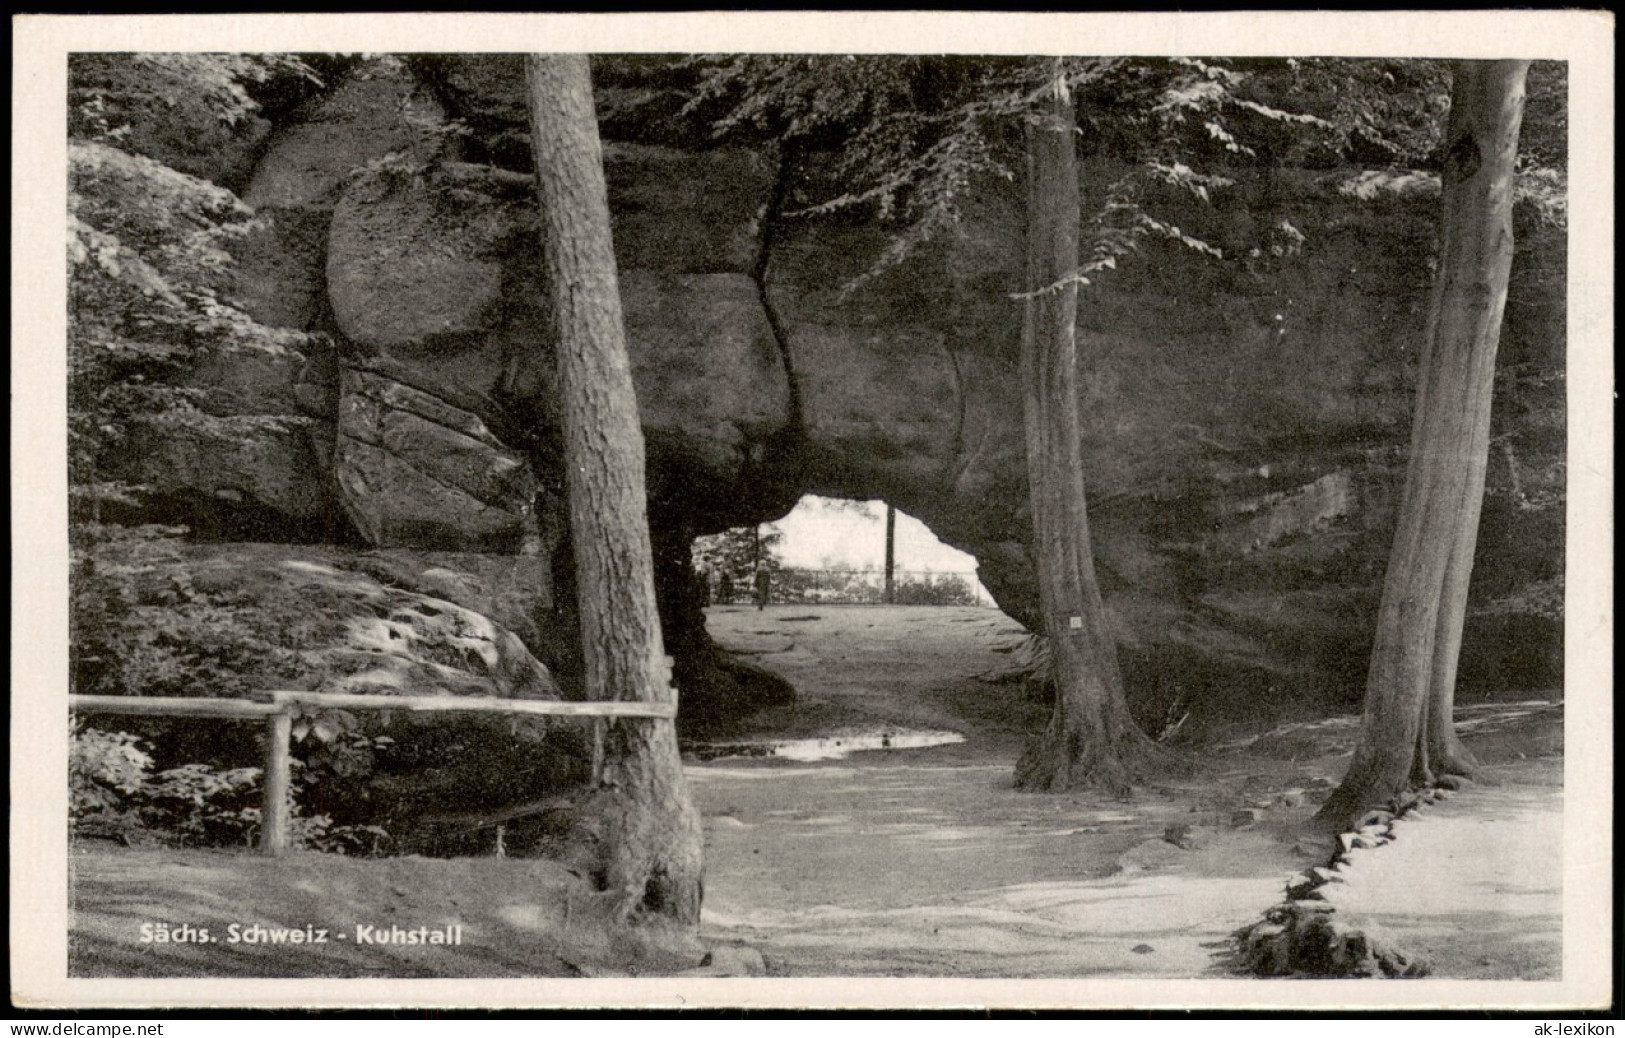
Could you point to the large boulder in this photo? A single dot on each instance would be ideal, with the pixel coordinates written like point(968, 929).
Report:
point(371, 114)
point(416, 470)
point(517, 592)
point(233, 476)
point(269, 616)
point(239, 452)
point(416, 267)
point(437, 280)
point(157, 616)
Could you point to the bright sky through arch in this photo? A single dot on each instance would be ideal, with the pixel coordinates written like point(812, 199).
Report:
point(820, 533)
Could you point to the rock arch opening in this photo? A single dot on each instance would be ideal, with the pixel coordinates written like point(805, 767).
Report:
point(857, 574)
point(839, 551)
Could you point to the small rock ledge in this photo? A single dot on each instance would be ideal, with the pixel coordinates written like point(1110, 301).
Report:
point(1304, 937)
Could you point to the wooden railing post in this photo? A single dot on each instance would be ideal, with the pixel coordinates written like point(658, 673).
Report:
point(274, 813)
point(277, 809)
point(599, 724)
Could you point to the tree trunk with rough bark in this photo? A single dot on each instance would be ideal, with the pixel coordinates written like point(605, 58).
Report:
point(1090, 740)
point(889, 595)
point(652, 830)
point(1408, 737)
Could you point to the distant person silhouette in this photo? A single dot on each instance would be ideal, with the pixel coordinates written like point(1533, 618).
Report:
point(725, 590)
point(764, 584)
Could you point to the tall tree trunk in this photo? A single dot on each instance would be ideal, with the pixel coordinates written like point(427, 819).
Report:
point(890, 595)
point(1090, 739)
point(653, 836)
point(1408, 737)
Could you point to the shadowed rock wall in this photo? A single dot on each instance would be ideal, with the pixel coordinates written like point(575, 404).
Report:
point(1246, 419)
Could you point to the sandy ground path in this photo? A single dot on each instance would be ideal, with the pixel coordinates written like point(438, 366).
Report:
point(1473, 883)
point(921, 870)
point(906, 862)
point(926, 862)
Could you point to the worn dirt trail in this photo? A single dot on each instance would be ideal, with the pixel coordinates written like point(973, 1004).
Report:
point(926, 862)
point(913, 869)
point(1473, 883)
point(905, 862)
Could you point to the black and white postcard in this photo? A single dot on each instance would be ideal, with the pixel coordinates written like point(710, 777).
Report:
point(813, 510)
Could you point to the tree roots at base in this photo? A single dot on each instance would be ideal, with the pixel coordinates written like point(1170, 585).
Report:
point(1057, 762)
point(1352, 800)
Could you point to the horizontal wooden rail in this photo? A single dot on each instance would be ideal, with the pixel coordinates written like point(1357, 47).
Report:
point(172, 706)
point(480, 704)
point(181, 706)
point(278, 714)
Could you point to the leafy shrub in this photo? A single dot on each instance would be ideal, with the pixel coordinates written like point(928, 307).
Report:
point(318, 833)
point(195, 804)
point(110, 92)
point(935, 589)
point(103, 769)
point(114, 793)
point(335, 741)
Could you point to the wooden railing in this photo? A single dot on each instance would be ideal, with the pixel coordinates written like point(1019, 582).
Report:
point(277, 709)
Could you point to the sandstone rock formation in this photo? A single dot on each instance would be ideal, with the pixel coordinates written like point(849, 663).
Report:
point(1245, 419)
point(162, 617)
